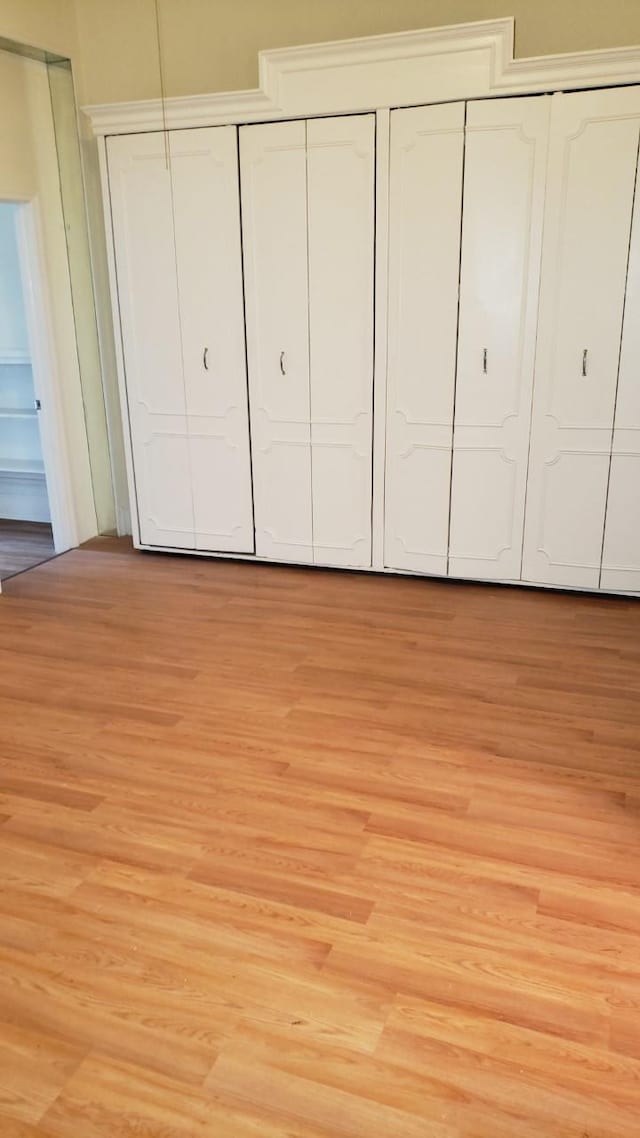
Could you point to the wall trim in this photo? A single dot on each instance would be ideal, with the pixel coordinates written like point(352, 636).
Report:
point(461, 61)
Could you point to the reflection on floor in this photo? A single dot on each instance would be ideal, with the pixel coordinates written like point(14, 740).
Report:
point(23, 545)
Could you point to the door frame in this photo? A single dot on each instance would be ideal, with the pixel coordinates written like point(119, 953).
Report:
point(46, 379)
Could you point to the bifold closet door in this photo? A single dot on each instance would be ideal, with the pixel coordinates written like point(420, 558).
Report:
point(273, 162)
point(590, 194)
point(426, 155)
point(176, 222)
point(308, 236)
point(621, 549)
point(503, 201)
point(340, 212)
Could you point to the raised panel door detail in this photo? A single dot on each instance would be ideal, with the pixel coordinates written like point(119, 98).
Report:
point(426, 157)
point(142, 212)
point(592, 170)
point(204, 167)
point(340, 205)
point(621, 549)
point(503, 199)
point(274, 225)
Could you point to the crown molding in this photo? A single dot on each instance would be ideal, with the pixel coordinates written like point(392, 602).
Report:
point(462, 61)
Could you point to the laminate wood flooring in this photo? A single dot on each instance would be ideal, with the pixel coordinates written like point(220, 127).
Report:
point(300, 854)
point(23, 545)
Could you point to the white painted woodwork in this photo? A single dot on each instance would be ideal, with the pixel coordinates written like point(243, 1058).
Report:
point(274, 221)
point(308, 225)
point(177, 245)
point(590, 190)
point(621, 550)
point(142, 214)
point(503, 201)
point(340, 195)
point(380, 332)
point(206, 207)
point(429, 65)
point(426, 155)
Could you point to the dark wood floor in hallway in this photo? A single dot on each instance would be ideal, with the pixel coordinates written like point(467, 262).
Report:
point(300, 854)
point(23, 545)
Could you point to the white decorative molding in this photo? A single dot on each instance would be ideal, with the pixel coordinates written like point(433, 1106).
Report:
point(462, 61)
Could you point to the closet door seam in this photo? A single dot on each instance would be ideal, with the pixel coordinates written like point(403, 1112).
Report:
point(615, 398)
point(246, 349)
point(309, 376)
point(187, 423)
point(455, 372)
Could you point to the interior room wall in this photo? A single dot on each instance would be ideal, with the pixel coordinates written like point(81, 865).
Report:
point(50, 25)
point(212, 45)
point(29, 172)
point(46, 24)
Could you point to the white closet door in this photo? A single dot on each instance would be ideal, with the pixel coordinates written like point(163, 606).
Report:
point(621, 551)
point(503, 198)
point(204, 165)
point(340, 194)
point(141, 204)
point(592, 169)
point(426, 154)
point(274, 224)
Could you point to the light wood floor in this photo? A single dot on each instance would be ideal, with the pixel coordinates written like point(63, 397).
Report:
point(293, 854)
point(23, 545)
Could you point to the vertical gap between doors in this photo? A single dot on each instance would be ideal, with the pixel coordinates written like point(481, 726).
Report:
point(535, 351)
point(615, 398)
point(455, 375)
point(306, 177)
point(134, 507)
point(374, 296)
point(187, 424)
point(244, 332)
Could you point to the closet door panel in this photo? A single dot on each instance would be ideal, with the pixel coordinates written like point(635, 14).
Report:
point(621, 551)
point(274, 223)
point(505, 163)
point(340, 195)
point(592, 169)
point(426, 157)
point(142, 214)
point(621, 555)
point(204, 165)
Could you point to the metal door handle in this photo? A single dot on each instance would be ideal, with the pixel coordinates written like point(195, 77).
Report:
point(484, 360)
point(584, 362)
point(205, 359)
point(282, 367)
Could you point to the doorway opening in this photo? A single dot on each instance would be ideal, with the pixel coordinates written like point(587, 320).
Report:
point(26, 531)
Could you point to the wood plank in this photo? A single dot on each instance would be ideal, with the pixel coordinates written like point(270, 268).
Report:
point(300, 854)
point(23, 545)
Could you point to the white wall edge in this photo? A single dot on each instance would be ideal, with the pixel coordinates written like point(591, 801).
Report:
point(461, 61)
point(46, 378)
point(126, 513)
